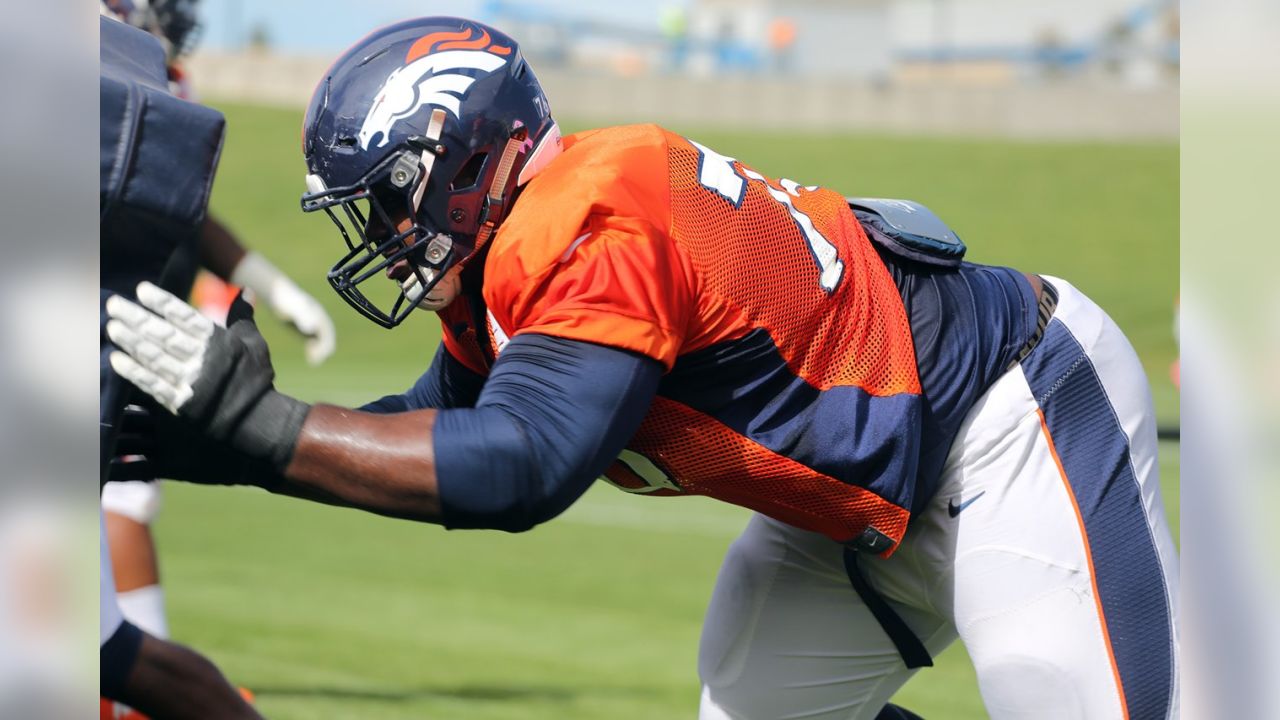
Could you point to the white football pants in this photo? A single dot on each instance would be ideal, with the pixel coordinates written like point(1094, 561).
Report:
point(1046, 550)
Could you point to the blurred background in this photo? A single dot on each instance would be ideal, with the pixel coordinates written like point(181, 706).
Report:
point(1045, 134)
point(1085, 69)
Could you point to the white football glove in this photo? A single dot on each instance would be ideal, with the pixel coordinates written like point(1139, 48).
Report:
point(163, 349)
point(217, 380)
point(290, 302)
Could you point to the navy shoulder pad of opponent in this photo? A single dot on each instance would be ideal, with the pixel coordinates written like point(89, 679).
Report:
point(157, 158)
point(908, 229)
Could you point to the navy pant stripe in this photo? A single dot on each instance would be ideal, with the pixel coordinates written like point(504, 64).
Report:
point(1094, 452)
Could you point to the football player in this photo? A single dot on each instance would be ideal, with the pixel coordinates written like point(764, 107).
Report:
point(158, 158)
point(934, 449)
point(132, 506)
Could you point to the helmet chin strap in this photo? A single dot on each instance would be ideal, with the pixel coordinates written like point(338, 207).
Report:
point(441, 294)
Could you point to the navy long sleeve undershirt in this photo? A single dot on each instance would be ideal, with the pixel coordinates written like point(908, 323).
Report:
point(447, 383)
point(549, 419)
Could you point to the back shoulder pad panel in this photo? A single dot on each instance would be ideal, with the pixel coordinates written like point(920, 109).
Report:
point(909, 229)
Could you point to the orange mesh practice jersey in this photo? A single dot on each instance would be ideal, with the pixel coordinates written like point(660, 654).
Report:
point(792, 386)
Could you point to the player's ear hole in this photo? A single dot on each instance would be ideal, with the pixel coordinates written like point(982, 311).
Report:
point(469, 173)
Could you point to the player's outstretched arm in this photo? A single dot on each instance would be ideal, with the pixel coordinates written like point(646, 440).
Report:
point(380, 463)
point(222, 253)
point(219, 384)
point(552, 415)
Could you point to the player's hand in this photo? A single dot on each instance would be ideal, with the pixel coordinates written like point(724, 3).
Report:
point(290, 302)
point(307, 316)
point(153, 444)
point(219, 380)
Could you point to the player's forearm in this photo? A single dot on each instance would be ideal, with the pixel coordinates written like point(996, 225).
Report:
point(220, 252)
point(380, 463)
point(172, 681)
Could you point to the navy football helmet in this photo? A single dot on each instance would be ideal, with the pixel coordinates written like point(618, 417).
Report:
point(416, 141)
point(175, 22)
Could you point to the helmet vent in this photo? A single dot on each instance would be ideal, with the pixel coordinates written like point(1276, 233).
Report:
point(470, 173)
point(520, 70)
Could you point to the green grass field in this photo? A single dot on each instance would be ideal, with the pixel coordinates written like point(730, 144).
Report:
point(334, 613)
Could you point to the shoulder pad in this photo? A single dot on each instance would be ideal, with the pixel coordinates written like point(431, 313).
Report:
point(157, 158)
point(908, 229)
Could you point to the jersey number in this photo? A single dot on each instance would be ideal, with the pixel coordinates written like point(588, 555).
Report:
point(718, 174)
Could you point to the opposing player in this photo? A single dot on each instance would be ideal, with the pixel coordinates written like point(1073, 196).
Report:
point(158, 158)
point(223, 263)
point(933, 448)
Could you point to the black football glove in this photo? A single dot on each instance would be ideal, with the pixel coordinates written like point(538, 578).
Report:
point(219, 381)
point(153, 444)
